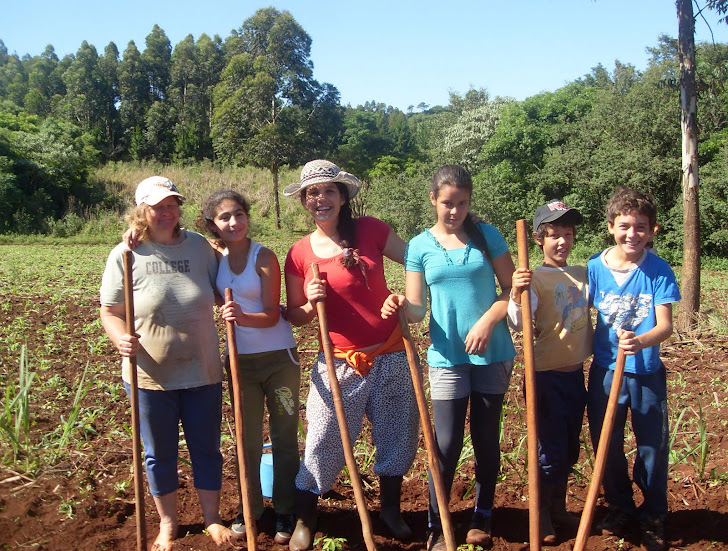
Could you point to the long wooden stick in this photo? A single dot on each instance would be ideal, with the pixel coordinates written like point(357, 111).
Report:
point(443, 499)
point(361, 504)
point(587, 515)
point(134, 398)
point(251, 528)
point(534, 516)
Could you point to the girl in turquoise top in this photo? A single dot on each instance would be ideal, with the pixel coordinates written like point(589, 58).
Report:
point(471, 356)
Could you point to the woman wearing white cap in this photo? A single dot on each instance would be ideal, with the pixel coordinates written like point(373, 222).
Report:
point(177, 350)
point(371, 364)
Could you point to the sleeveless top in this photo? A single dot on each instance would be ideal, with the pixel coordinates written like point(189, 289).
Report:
point(247, 289)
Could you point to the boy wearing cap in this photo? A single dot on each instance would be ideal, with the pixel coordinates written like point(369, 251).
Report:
point(633, 292)
point(559, 299)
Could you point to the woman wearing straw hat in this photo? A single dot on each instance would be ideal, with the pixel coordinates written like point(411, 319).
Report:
point(371, 365)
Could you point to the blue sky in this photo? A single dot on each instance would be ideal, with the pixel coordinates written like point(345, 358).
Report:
point(397, 52)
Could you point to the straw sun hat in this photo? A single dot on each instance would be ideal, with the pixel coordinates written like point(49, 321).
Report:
point(321, 171)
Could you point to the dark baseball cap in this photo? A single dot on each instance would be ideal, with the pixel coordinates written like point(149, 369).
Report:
point(554, 210)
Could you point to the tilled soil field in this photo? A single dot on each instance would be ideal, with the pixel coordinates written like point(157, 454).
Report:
point(80, 495)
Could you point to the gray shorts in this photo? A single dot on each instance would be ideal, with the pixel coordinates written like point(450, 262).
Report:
point(459, 381)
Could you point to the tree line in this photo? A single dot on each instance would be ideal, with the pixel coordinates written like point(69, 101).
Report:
point(252, 99)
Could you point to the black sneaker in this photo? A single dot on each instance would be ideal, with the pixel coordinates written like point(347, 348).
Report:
point(285, 524)
point(615, 523)
point(653, 534)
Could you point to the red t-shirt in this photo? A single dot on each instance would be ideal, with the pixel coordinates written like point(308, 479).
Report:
point(353, 310)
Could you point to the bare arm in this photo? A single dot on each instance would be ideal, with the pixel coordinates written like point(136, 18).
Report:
point(631, 343)
point(301, 301)
point(113, 319)
point(395, 247)
point(477, 339)
point(269, 271)
point(520, 281)
point(414, 301)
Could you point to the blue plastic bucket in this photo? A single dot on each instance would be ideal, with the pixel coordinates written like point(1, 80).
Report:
point(266, 472)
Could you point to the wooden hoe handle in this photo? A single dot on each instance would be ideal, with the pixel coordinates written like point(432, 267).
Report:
point(361, 504)
point(251, 528)
point(443, 499)
point(587, 515)
point(134, 398)
point(534, 531)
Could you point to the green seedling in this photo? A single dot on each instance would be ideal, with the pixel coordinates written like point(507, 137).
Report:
point(15, 421)
point(330, 544)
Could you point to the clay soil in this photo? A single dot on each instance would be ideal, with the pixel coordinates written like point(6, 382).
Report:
point(84, 499)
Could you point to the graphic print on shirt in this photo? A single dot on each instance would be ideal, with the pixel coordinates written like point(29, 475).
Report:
point(625, 311)
point(573, 305)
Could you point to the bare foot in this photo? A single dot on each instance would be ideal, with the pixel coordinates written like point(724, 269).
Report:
point(166, 536)
point(219, 533)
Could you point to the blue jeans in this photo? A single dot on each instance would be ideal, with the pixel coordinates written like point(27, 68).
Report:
point(160, 412)
point(645, 396)
point(561, 399)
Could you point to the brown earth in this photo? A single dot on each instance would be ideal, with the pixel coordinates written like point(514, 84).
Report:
point(85, 501)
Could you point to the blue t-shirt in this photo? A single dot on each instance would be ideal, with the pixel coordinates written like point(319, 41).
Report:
point(629, 306)
point(461, 286)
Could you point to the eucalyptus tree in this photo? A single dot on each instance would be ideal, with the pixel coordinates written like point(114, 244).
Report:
point(135, 99)
point(210, 62)
point(267, 101)
point(183, 94)
point(13, 79)
point(156, 58)
point(195, 69)
point(43, 82)
point(110, 122)
point(87, 92)
point(690, 279)
point(159, 117)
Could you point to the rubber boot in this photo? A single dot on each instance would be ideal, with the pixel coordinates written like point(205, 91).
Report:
point(546, 528)
point(562, 519)
point(390, 488)
point(302, 537)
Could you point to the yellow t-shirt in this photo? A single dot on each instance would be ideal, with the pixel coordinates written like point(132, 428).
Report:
point(562, 326)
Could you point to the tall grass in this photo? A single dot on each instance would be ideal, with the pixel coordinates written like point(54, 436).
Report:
point(15, 421)
point(197, 182)
point(69, 425)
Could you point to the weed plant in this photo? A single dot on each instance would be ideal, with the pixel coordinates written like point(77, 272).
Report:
point(15, 421)
point(328, 543)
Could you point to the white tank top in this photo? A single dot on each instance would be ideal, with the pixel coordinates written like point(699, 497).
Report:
point(247, 289)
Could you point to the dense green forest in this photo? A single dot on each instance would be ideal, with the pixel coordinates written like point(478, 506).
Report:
point(251, 99)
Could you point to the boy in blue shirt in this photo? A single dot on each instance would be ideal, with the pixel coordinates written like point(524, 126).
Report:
point(633, 292)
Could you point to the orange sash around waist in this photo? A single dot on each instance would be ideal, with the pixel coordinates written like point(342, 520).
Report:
point(362, 361)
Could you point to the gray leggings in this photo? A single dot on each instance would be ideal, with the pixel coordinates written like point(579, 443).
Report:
point(385, 395)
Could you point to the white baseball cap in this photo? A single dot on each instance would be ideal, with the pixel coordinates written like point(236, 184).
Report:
point(155, 188)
